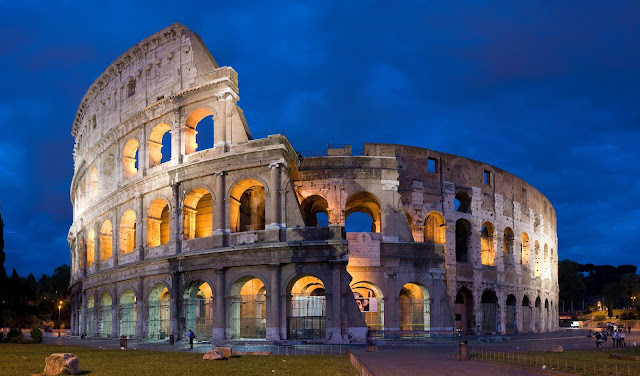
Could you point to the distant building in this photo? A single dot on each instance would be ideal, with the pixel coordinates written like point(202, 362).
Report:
point(246, 239)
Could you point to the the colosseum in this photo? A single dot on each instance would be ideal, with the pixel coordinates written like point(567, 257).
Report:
point(246, 239)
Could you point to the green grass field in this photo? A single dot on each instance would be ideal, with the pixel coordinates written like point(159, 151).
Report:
point(29, 359)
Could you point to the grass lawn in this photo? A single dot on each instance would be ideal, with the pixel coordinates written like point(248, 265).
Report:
point(579, 362)
point(29, 359)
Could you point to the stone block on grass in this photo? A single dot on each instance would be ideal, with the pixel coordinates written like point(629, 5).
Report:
point(62, 364)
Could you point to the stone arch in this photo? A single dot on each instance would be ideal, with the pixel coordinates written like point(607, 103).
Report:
point(537, 315)
point(128, 313)
point(463, 310)
point(130, 158)
point(157, 143)
point(462, 202)
point(367, 203)
point(487, 244)
point(198, 213)
point(128, 236)
point(247, 205)
point(414, 307)
point(105, 322)
point(248, 308)
point(463, 240)
point(91, 247)
point(489, 303)
point(159, 310)
point(312, 206)
point(198, 308)
point(191, 146)
point(158, 223)
point(409, 221)
point(525, 249)
point(93, 184)
point(511, 314)
point(90, 315)
point(547, 320)
point(306, 308)
point(507, 246)
point(106, 240)
point(526, 315)
point(434, 228)
point(370, 300)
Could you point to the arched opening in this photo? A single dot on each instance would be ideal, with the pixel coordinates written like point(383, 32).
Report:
point(525, 249)
point(128, 313)
point(90, 315)
point(363, 202)
point(130, 158)
point(158, 223)
point(464, 311)
point(537, 315)
point(510, 324)
point(82, 194)
point(409, 220)
point(507, 246)
point(313, 207)
point(536, 256)
point(306, 307)
point(106, 317)
point(128, 232)
point(547, 319)
point(414, 307)
point(489, 302)
point(106, 240)
point(202, 138)
point(526, 315)
point(198, 214)
point(434, 228)
point(487, 246)
point(248, 309)
point(545, 263)
point(159, 312)
point(370, 302)
point(463, 230)
point(160, 144)
point(462, 202)
point(198, 309)
point(247, 206)
point(91, 247)
point(93, 184)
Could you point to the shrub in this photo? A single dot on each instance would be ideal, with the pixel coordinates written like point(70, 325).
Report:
point(628, 316)
point(36, 335)
point(1, 336)
point(600, 318)
point(14, 335)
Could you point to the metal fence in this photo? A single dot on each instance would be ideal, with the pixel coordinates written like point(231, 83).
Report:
point(552, 363)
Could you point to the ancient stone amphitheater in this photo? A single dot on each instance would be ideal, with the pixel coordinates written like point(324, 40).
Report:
point(243, 238)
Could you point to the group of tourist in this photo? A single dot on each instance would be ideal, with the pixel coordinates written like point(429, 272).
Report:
point(617, 337)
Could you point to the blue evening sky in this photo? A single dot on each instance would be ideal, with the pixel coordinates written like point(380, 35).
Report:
point(547, 90)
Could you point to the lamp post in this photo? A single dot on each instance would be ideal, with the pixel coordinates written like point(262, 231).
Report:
point(59, 321)
point(633, 299)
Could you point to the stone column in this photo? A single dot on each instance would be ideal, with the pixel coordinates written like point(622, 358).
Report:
point(391, 310)
point(219, 323)
point(83, 252)
point(83, 314)
point(274, 207)
point(97, 249)
point(140, 299)
point(143, 151)
point(96, 313)
point(175, 305)
point(274, 322)
point(115, 239)
point(219, 220)
point(140, 228)
point(115, 321)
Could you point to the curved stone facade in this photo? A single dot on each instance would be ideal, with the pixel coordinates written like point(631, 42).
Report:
point(246, 239)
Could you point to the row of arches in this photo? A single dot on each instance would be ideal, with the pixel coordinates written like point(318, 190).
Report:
point(530, 319)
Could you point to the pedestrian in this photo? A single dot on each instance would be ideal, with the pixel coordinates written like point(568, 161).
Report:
point(621, 337)
point(598, 339)
point(604, 339)
point(629, 327)
point(614, 338)
point(191, 336)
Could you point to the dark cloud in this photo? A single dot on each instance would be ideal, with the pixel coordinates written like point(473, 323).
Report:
point(547, 91)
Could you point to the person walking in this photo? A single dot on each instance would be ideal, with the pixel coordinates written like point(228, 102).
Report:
point(621, 337)
point(629, 327)
point(614, 338)
point(191, 336)
point(604, 339)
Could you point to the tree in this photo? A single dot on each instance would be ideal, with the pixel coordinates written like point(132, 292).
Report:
point(572, 286)
point(630, 285)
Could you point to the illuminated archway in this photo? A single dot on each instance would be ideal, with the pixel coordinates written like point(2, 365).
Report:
point(90, 315)
point(367, 203)
point(507, 246)
point(414, 307)
point(93, 184)
point(128, 313)
point(130, 158)
point(106, 240)
point(370, 302)
point(159, 140)
point(247, 206)
point(306, 309)
point(159, 312)
point(198, 214)
point(537, 271)
point(198, 309)
point(312, 206)
point(106, 318)
point(158, 223)
point(525, 248)
point(248, 309)
point(128, 232)
point(487, 246)
point(91, 247)
point(434, 230)
point(193, 121)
